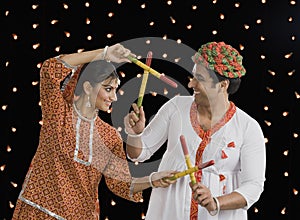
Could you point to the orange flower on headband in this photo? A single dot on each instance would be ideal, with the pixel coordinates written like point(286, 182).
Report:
point(221, 58)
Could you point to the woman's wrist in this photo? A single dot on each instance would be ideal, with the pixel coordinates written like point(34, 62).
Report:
point(217, 210)
point(150, 180)
point(104, 52)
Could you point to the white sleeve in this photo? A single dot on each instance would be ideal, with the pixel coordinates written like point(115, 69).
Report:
point(156, 132)
point(253, 164)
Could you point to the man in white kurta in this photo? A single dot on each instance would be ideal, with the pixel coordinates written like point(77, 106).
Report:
point(243, 168)
point(235, 142)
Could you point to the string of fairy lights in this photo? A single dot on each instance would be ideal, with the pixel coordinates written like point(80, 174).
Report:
point(37, 30)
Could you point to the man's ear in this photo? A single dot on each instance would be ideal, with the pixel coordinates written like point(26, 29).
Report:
point(224, 85)
point(87, 87)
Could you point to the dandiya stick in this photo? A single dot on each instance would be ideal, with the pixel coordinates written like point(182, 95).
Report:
point(152, 71)
point(187, 158)
point(192, 170)
point(144, 80)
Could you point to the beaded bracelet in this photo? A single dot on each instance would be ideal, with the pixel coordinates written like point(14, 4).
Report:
point(215, 212)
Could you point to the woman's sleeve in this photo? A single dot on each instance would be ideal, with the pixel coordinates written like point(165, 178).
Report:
point(52, 73)
point(253, 164)
point(117, 174)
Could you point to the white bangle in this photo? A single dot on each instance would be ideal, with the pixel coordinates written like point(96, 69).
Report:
point(150, 180)
point(104, 52)
point(215, 212)
point(133, 135)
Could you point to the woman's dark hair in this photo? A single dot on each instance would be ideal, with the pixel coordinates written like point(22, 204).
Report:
point(95, 72)
point(234, 83)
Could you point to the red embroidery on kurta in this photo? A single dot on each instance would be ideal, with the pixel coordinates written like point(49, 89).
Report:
point(222, 177)
point(206, 138)
point(231, 144)
point(224, 189)
point(224, 155)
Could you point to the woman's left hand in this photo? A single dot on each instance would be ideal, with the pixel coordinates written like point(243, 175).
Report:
point(160, 179)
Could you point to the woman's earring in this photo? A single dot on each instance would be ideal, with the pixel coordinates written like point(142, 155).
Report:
point(88, 103)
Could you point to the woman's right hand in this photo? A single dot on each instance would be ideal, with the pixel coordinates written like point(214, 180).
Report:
point(118, 53)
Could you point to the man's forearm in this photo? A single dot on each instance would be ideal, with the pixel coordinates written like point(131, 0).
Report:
point(134, 147)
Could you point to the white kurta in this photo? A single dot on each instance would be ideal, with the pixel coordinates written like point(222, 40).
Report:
point(244, 167)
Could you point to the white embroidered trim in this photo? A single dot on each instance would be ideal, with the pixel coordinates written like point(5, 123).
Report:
point(41, 208)
point(87, 163)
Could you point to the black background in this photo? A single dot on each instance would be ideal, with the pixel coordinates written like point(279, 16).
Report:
point(19, 68)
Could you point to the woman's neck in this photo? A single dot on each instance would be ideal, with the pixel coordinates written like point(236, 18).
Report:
point(83, 110)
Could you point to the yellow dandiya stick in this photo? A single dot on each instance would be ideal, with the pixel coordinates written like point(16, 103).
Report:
point(187, 158)
point(192, 170)
point(144, 80)
point(152, 71)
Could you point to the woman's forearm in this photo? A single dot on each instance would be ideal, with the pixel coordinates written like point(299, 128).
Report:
point(75, 59)
point(140, 184)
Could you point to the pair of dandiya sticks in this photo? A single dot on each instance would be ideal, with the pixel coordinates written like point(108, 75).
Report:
point(147, 69)
point(191, 170)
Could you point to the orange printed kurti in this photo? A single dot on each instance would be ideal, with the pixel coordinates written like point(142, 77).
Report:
point(73, 155)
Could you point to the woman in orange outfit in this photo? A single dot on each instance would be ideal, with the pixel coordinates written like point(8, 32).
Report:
point(76, 147)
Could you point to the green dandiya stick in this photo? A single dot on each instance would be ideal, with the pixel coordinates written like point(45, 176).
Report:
point(144, 80)
point(152, 71)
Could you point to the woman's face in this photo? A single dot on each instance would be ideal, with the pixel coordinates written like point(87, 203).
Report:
point(104, 93)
